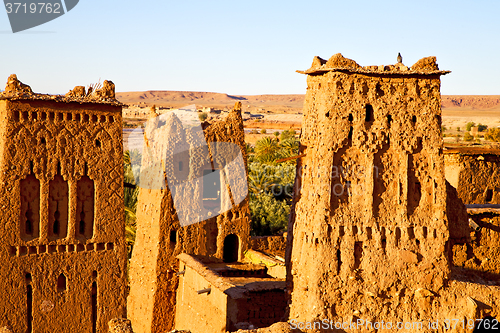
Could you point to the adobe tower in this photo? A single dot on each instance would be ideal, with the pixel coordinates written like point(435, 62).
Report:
point(368, 231)
point(62, 243)
point(168, 216)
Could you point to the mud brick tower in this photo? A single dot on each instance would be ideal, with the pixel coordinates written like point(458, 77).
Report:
point(369, 219)
point(62, 243)
point(160, 235)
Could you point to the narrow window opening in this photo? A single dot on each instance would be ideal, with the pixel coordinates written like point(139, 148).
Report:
point(34, 116)
point(60, 116)
point(69, 116)
point(85, 206)
point(389, 120)
point(231, 248)
point(58, 206)
point(398, 236)
point(61, 283)
point(51, 115)
point(29, 308)
point(424, 232)
point(350, 133)
point(180, 166)
point(25, 115)
point(339, 261)
point(414, 119)
point(42, 141)
point(211, 190)
point(354, 230)
point(94, 118)
point(43, 116)
point(94, 307)
point(358, 254)
point(369, 113)
point(98, 143)
point(351, 118)
point(86, 118)
point(173, 236)
point(489, 195)
point(81, 226)
point(16, 115)
point(30, 206)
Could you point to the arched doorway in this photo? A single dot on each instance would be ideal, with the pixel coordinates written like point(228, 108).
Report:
point(231, 248)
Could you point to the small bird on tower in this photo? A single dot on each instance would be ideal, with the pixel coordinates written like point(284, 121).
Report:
point(400, 58)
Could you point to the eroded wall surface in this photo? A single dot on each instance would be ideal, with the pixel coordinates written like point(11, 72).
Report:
point(369, 215)
point(62, 241)
point(160, 237)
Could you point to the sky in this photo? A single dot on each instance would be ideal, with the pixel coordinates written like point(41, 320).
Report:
point(249, 47)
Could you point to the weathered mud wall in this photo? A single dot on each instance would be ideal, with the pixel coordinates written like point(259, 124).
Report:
point(160, 237)
point(62, 236)
point(369, 219)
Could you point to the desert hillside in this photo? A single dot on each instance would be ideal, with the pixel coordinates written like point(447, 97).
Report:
point(278, 103)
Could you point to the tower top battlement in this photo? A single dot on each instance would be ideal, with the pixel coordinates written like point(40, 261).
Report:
point(338, 63)
point(95, 94)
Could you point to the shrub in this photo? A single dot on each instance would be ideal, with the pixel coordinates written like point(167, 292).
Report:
point(203, 116)
point(469, 125)
point(268, 215)
point(468, 137)
point(263, 131)
point(287, 134)
point(254, 131)
point(443, 128)
point(482, 128)
point(493, 134)
point(277, 133)
point(458, 129)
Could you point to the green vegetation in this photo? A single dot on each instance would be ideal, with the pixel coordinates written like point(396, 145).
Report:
point(277, 133)
point(468, 137)
point(482, 128)
point(263, 131)
point(203, 116)
point(493, 134)
point(469, 125)
point(270, 184)
point(130, 160)
point(458, 129)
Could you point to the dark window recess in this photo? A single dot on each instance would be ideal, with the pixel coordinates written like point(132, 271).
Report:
point(180, 166)
point(61, 283)
point(173, 236)
point(351, 118)
point(98, 143)
point(414, 119)
point(349, 136)
point(29, 308)
point(231, 247)
point(489, 195)
point(369, 113)
point(389, 120)
point(94, 307)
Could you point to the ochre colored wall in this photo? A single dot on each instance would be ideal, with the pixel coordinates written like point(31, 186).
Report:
point(368, 218)
point(69, 141)
point(153, 283)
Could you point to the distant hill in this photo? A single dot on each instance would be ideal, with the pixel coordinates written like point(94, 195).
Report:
point(275, 103)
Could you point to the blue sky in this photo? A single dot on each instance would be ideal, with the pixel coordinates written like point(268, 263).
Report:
point(249, 47)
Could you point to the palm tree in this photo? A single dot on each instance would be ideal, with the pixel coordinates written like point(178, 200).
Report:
point(266, 149)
